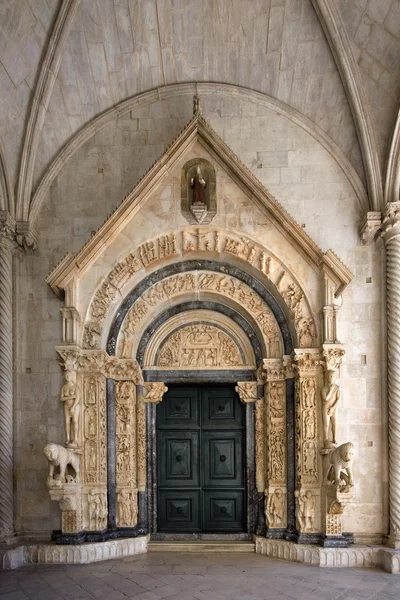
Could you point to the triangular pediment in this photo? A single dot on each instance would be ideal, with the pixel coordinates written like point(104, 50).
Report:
point(198, 130)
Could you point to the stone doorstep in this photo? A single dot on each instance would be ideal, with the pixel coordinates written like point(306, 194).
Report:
point(201, 546)
point(354, 556)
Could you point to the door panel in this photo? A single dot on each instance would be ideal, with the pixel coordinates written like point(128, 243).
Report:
point(179, 510)
point(200, 449)
point(223, 510)
point(222, 459)
point(181, 411)
point(179, 459)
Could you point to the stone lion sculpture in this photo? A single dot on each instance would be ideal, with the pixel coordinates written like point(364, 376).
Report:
point(58, 456)
point(340, 466)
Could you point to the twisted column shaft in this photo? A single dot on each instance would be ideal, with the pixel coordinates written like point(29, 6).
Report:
point(6, 390)
point(391, 235)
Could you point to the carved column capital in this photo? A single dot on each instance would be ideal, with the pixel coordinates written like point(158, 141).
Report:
point(307, 360)
point(26, 236)
point(154, 391)
point(247, 391)
point(369, 226)
point(332, 355)
point(391, 221)
point(273, 369)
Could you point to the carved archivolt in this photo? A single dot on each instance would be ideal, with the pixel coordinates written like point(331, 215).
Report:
point(188, 284)
point(191, 242)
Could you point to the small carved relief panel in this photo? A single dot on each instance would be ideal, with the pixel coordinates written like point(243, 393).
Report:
point(199, 346)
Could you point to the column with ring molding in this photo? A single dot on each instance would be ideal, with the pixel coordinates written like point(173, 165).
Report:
point(390, 233)
point(6, 378)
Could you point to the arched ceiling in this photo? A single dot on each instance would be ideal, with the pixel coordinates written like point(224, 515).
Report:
point(64, 62)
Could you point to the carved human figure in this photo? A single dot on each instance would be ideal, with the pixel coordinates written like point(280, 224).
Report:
point(91, 393)
point(198, 184)
point(330, 395)
point(92, 506)
point(309, 424)
point(126, 508)
point(276, 401)
point(274, 508)
point(309, 387)
point(70, 396)
point(305, 510)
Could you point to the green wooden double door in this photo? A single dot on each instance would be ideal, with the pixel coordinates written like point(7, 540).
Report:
point(201, 460)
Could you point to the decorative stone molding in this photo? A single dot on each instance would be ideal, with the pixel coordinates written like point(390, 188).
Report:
point(369, 226)
point(154, 392)
point(247, 391)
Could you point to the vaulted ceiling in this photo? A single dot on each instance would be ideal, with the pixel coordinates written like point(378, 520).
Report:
point(64, 62)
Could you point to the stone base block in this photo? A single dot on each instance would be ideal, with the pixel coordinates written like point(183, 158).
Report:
point(354, 556)
point(56, 554)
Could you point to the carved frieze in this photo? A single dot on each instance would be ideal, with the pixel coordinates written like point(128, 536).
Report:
point(127, 507)
point(195, 240)
point(221, 347)
point(97, 510)
point(275, 508)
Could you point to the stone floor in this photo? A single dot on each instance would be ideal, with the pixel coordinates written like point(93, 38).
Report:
point(196, 577)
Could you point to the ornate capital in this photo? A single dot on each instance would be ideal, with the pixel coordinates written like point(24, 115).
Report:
point(273, 369)
point(306, 361)
point(154, 391)
point(391, 221)
point(369, 226)
point(247, 391)
point(333, 355)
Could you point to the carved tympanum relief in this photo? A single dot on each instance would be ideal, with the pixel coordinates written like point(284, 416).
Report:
point(185, 243)
point(199, 346)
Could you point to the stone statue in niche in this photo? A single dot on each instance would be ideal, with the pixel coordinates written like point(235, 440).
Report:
point(70, 396)
point(274, 509)
point(198, 186)
point(61, 457)
point(330, 395)
point(305, 510)
point(340, 470)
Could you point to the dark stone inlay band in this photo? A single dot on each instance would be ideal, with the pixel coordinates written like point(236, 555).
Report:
point(199, 265)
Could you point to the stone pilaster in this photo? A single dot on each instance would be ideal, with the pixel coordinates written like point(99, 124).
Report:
point(307, 367)
point(391, 236)
point(276, 437)
point(6, 378)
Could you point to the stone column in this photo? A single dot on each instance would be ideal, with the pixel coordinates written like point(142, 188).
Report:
point(6, 379)
point(391, 236)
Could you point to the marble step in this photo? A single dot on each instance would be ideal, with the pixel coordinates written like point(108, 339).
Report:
point(201, 546)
